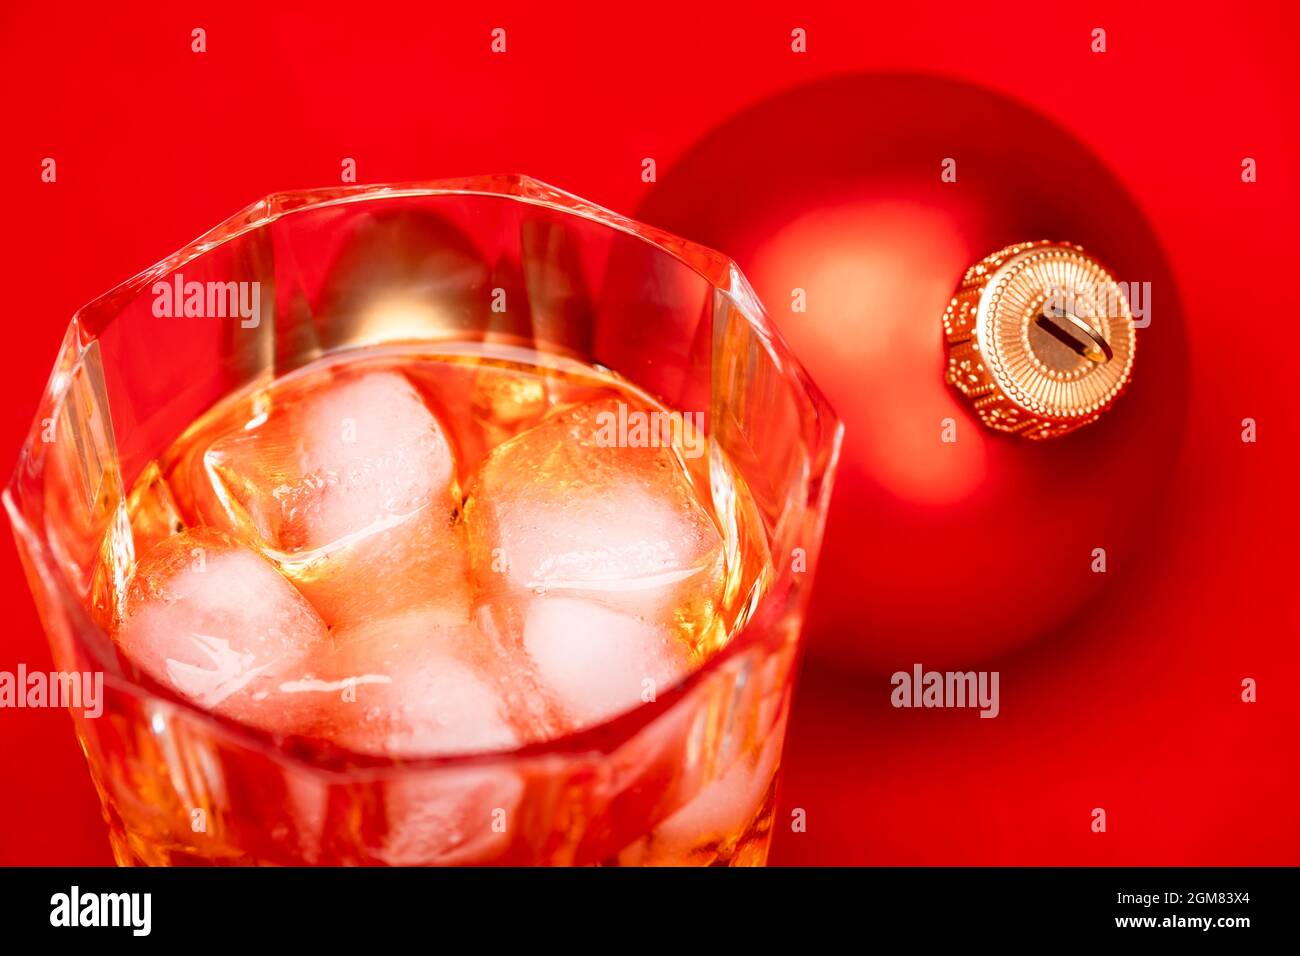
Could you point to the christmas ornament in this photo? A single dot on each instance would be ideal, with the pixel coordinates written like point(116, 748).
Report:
point(855, 206)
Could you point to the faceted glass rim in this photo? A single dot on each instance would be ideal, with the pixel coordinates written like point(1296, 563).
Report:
point(788, 592)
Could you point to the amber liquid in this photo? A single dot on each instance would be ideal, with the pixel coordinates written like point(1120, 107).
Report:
point(484, 397)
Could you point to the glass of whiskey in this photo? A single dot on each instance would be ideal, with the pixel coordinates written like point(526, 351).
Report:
point(450, 523)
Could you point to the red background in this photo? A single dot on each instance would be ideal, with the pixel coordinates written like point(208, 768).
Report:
point(1133, 707)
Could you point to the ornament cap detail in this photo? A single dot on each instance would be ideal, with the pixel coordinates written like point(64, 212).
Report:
point(1039, 339)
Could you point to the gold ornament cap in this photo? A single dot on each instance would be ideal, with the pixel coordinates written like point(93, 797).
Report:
point(1039, 338)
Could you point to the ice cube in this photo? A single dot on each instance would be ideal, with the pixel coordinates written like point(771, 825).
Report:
point(598, 662)
point(348, 484)
point(562, 509)
point(450, 817)
point(412, 685)
point(721, 813)
point(333, 458)
point(220, 625)
point(418, 563)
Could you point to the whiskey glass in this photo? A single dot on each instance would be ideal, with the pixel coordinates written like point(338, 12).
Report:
point(686, 780)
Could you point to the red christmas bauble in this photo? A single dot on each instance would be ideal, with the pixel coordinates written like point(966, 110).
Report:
point(943, 553)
